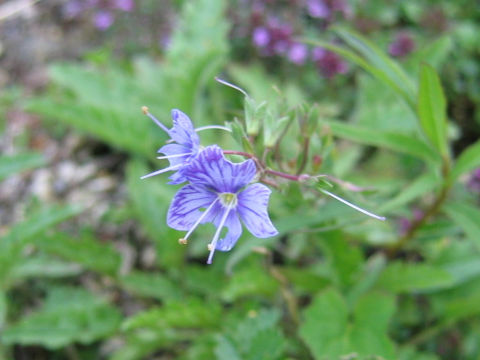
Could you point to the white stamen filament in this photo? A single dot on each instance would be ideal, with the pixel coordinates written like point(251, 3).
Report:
point(173, 156)
point(353, 206)
point(201, 128)
point(224, 82)
point(155, 120)
point(213, 244)
point(194, 226)
point(161, 171)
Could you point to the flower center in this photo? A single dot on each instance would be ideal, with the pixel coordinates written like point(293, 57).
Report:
point(228, 199)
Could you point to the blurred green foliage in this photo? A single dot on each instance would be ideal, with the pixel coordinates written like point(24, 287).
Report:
point(332, 284)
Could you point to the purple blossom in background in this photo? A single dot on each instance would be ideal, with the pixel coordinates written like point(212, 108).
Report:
point(273, 38)
point(220, 193)
point(183, 147)
point(124, 5)
point(73, 9)
point(326, 9)
point(261, 37)
point(103, 19)
point(298, 53)
point(102, 11)
point(318, 9)
point(405, 223)
point(473, 183)
point(329, 63)
point(402, 45)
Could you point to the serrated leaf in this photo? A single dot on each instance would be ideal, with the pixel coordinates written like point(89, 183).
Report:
point(120, 126)
point(69, 315)
point(225, 349)
point(330, 334)
point(395, 141)
point(432, 108)
point(86, 251)
point(267, 345)
point(196, 53)
point(192, 313)
point(248, 281)
point(324, 325)
point(468, 160)
point(467, 217)
point(10, 165)
point(400, 277)
point(255, 337)
point(14, 241)
point(157, 286)
point(344, 259)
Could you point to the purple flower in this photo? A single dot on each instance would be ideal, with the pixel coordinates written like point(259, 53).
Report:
point(298, 53)
point(474, 182)
point(183, 146)
point(261, 37)
point(329, 63)
point(103, 19)
point(72, 9)
point(402, 45)
point(318, 9)
point(220, 192)
point(125, 5)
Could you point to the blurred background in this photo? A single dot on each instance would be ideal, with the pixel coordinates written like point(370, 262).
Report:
point(89, 268)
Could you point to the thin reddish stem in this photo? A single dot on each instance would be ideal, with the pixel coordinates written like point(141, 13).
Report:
point(240, 153)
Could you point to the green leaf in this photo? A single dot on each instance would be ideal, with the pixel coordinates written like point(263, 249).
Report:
point(401, 277)
point(255, 337)
point(381, 110)
point(372, 59)
point(151, 199)
point(191, 313)
point(421, 185)
point(432, 108)
point(435, 53)
point(12, 244)
point(120, 125)
point(3, 308)
point(157, 286)
point(43, 266)
point(10, 165)
point(379, 60)
point(86, 251)
point(468, 160)
point(462, 308)
point(252, 280)
point(69, 315)
point(467, 217)
point(343, 258)
point(196, 54)
point(331, 331)
point(225, 349)
point(325, 324)
point(394, 141)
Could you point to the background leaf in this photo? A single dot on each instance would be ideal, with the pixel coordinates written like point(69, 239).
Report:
point(432, 108)
point(68, 315)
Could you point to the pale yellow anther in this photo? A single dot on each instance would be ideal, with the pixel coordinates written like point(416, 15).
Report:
point(210, 247)
point(182, 241)
point(145, 110)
